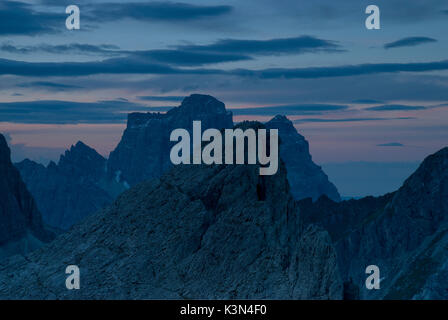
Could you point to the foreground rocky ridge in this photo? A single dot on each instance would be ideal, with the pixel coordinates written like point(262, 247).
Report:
point(21, 227)
point(404, 233)
point(197, 232)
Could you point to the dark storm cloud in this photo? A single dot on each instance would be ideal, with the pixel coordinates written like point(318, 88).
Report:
point(150, 11)
point(50, 86)
point(18, 18)
point(68, 112)
point(395, 107)
point(409, 42)
point(305, 109)
point(295, 45)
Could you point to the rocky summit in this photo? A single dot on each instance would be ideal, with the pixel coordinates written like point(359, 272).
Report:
point(404, 233)
point(144, 150)
point(74, 188)
point(21, 227)
point(220, 231)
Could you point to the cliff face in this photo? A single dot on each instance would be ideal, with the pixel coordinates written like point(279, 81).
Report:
point(144, 150)
point(74, 188)
point(197, 232)
point(21, 227)
point(307, 179)
point(404, 233)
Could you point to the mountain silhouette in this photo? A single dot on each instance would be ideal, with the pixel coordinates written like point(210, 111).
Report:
point(21, 227)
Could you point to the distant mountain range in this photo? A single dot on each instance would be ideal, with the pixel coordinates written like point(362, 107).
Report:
point(83, 181)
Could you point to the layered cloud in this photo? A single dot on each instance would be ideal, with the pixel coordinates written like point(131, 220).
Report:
point(292, 110)
point(49, 86)
point(18, 18)
point(156, 10)
point(409, 42)
point(390, 144)
point(294, 45)
point(229, 50)
point(396, 107)
point(68, 112)
point(135, 65)
point(322, 120)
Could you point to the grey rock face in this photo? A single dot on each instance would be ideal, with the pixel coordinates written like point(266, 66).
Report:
point(80, 184)
point(21, 227)
point(307, 179)
point(144, 150)
point(74, 188)
point(404, 233)
point(197, 232)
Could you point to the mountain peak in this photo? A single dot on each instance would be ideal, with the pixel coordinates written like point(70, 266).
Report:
point(80, 153)
point(199, 104)
point(281, 118)
point(284, 124)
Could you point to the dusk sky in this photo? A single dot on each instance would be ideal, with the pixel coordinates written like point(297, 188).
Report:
point(355, 94)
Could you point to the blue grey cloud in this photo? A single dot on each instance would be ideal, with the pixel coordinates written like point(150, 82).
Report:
point(68, 112)
point(50, 86)
point(191, 55)
point(18, 18)
point(390, 144)
point(342, 71)
point(367, 101)
point(21, 18)
point(154, 10)
point(68, 69)
point(302, 109)
point(321, 120)
point(139, 65)
point(70, 48)
point(395, 107)
point(162, 98)
point(190, 58)
point(409, 42)
point(294, 45)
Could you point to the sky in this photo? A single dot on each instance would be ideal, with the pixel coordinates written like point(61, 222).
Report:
point(357, 95)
